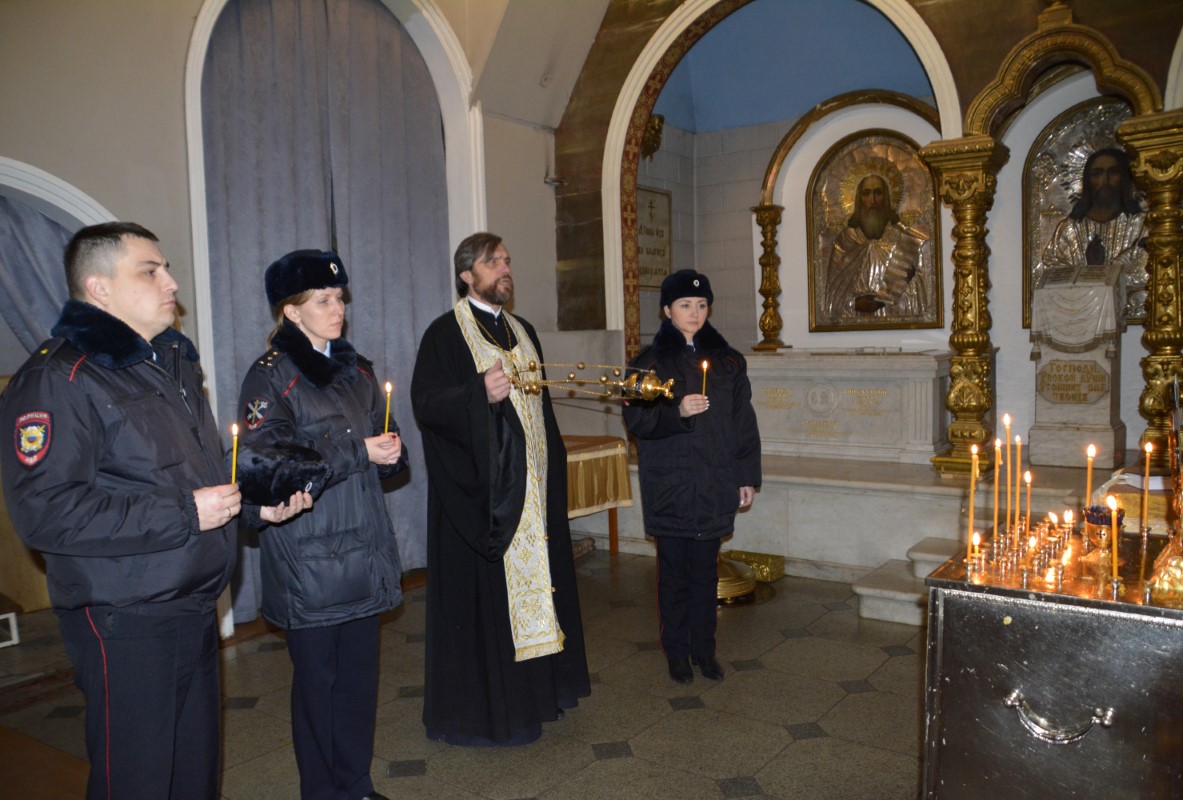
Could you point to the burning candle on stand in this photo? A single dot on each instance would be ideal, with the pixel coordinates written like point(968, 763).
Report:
point(389, 389)
point(1111, 501)
point(1088, 481)
point(1146, 489)
point(973, 482)
point(1018, 477)
point(704, 377)
point(1006, 424)
point(234, 454)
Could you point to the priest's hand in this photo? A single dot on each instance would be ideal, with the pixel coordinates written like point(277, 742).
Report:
point(297, 503)
point(497, 383)
point(384, 449)
point(693, 404)
point(746, 495)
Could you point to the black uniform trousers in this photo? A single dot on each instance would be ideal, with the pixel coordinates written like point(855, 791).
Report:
point(334, 704)
point(153, 701)
point(687, 595)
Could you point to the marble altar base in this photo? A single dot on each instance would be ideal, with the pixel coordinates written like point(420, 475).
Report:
point(864, 404)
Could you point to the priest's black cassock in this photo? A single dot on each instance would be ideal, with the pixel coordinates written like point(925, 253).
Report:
point(475, 692)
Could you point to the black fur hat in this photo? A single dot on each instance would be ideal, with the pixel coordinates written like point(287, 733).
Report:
point(301, 270)
point(269, 475)
point(686, 283)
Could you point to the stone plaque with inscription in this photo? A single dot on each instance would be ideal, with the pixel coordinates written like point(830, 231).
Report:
point(1080, 381)
point(868, 403)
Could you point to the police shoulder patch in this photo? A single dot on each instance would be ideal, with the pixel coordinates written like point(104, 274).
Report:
point(256, 412)
point(31, 438)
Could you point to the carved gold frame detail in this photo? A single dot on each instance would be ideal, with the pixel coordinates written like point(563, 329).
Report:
point(967, 170)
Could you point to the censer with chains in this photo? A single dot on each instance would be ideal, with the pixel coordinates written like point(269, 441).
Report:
point(630, 382)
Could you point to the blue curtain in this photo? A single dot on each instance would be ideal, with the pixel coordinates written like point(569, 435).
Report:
point(323, 129)
point(32, 277)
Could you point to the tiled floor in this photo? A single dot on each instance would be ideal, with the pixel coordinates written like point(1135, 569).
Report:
point(816, 704)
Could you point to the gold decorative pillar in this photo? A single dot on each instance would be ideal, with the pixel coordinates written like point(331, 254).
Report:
point(1155, 144)
point(967, 175)
point(768, 218)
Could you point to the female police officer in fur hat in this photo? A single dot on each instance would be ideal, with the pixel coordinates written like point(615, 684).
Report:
point(329, 572)
point(699, 464)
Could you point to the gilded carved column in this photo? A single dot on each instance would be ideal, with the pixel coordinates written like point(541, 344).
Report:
point(967, 171)
point(768, 218)
point(1155, 144)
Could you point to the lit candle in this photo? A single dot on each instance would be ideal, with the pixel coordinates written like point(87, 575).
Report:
point(997, 464)
point(973, 482)
point(389, 389)
point(1027, 518)
point(977, 542)
point(1018, 477)
point(1006, 423)
point(1146, 488)
point(704, 377)
point(1111, 501)
point(1088, 481)
point(234, 454)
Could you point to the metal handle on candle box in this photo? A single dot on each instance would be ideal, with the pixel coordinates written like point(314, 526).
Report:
point(1041, 728)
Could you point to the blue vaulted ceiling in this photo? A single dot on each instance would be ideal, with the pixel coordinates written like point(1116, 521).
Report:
point(776, 59)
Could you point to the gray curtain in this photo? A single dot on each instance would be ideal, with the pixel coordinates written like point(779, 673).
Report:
point(32, 275)
point(323, 130)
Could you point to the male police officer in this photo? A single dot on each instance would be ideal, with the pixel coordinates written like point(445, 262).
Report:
point(116, 474)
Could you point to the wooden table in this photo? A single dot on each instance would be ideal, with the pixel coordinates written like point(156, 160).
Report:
point(598, 479)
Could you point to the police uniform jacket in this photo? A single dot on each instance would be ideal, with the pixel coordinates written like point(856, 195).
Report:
point(339, 561)
point(691, 468)
point(111, 435)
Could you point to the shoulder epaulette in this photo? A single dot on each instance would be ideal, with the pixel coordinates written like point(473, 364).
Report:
point(269, 358)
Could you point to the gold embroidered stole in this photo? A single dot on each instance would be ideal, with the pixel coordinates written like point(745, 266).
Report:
point(527, 567)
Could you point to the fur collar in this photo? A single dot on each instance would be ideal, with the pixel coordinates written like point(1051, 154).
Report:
point(110, 342)
point(313, 364)
point(670, 341)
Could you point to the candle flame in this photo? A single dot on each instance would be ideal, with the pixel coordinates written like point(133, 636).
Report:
point(1006, 420)
point(977, 539)
point(1149, 448)
point(1031, 543)
point(1018, 439)
point(973, 448)
point(1111, 501)
point(1092, 451)
point(389, 388)
point(1069, 517)
point(997, 444)
point(234, 429)
point(704, 366)
point(1027, 477)
point(1052, 516)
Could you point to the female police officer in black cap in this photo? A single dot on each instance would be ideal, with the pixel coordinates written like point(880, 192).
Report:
point(699, 464)
point(329, 572)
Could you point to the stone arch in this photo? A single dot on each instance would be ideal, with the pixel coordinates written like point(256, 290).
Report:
point(1058, 41)
point(688, 23)
point(463, 136)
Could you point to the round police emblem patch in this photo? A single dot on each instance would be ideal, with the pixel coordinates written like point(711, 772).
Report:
point(31, 437)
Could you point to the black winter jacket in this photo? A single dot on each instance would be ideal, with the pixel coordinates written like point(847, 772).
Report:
point(691, 468)
point(111, 435)
point(339, 561)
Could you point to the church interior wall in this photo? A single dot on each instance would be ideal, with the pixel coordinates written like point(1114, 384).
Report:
point(521, 209)
point(671, 169)
point(92, 95)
